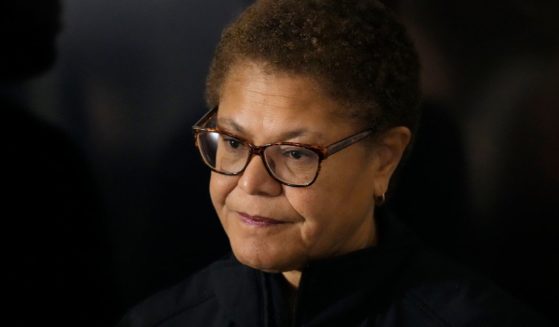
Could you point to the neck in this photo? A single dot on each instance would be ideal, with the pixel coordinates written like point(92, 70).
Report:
point(293, 277)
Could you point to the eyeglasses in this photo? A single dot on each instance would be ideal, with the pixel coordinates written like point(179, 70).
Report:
point(292, 164)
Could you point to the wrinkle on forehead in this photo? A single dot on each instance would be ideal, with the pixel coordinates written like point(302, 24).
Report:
point(285, 136)
point(278, 106)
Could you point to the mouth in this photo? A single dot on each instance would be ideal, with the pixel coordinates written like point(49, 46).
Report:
point(258, 220)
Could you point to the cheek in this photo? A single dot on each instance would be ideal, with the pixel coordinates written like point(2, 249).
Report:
point(324, 199)
point(308, 203)
point(311, 205)
point(335, 203)
point(220, 187)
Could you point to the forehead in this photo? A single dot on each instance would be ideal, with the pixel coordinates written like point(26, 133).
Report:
point(269, 103)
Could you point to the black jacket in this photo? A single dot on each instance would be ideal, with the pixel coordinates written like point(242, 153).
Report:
point(397, 283)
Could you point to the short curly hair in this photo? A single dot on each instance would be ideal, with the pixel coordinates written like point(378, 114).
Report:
point(356, 49)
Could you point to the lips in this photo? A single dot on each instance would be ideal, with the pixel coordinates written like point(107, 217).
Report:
point(258, 220)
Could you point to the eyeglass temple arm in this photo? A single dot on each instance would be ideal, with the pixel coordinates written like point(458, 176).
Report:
point(201, 123)
point(340, 145)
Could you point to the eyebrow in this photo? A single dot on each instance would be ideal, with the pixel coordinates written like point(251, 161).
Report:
point(283, 136)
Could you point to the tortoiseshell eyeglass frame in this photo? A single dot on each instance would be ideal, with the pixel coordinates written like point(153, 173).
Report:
point(323, 152)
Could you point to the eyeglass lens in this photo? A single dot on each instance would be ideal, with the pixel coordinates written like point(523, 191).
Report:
point(288, 163)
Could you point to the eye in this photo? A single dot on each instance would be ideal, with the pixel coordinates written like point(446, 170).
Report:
point(294, 154)
point(232, 142)
point(297, 153)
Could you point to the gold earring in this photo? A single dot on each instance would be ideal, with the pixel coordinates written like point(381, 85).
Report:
point(379, 200)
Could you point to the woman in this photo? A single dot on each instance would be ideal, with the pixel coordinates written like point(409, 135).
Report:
point(314, 104)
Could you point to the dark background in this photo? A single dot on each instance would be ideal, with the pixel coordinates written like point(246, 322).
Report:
point(482, 184)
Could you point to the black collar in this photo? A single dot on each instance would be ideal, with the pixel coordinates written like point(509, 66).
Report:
point(330, 289)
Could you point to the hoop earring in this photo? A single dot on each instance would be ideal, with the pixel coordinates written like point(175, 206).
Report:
point(379, 200)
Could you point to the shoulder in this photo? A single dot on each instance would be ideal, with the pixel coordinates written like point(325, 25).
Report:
point(441, 292)
point(190, 302)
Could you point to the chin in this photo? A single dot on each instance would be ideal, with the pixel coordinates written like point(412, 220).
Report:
point(266, 258)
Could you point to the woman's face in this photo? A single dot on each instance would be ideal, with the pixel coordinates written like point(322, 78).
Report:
point(274, 227)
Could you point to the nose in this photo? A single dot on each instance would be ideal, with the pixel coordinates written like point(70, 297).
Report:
point(256, 180)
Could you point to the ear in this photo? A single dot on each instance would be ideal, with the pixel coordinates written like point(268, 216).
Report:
point(390, 147)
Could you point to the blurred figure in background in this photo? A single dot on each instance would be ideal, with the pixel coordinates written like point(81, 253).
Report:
point(54, 243)
point(128, 84)
point(492, 66)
